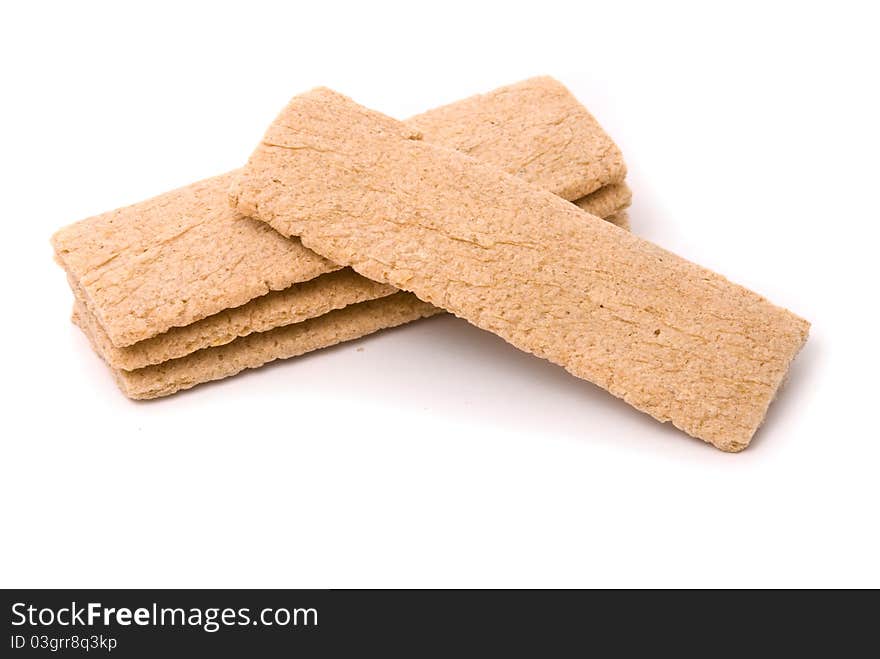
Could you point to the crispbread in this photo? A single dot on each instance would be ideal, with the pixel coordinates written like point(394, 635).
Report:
point(294, 304)
point(257, 316)
point(183, 256)
point(620, 219)
point(177, 258)
point(607, 201)
point(673, 339)
point(535, 130)
point(352, 322)
point(299, 302)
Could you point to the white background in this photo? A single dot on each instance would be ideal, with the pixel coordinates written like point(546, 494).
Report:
point(437, 455)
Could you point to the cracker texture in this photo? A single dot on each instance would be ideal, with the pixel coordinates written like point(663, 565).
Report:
point(299, 302)
point(610, 200)
point(295, 304)
point(254, 350)
point(174, 259)
point(673, 339)
point(185, 255)
point(620, 219)
point(536, 130)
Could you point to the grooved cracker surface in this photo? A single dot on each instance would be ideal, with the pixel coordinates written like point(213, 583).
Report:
point(185, 255)
point(673, 339)
point(254, 350)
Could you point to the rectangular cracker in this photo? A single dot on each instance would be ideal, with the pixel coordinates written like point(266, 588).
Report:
point(185, 255)
point(295, 304)
point(352, 322)
point(673, 339)
point(607, 201)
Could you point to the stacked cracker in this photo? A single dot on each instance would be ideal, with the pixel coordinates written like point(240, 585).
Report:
point(345, 221)
point(183, 289)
